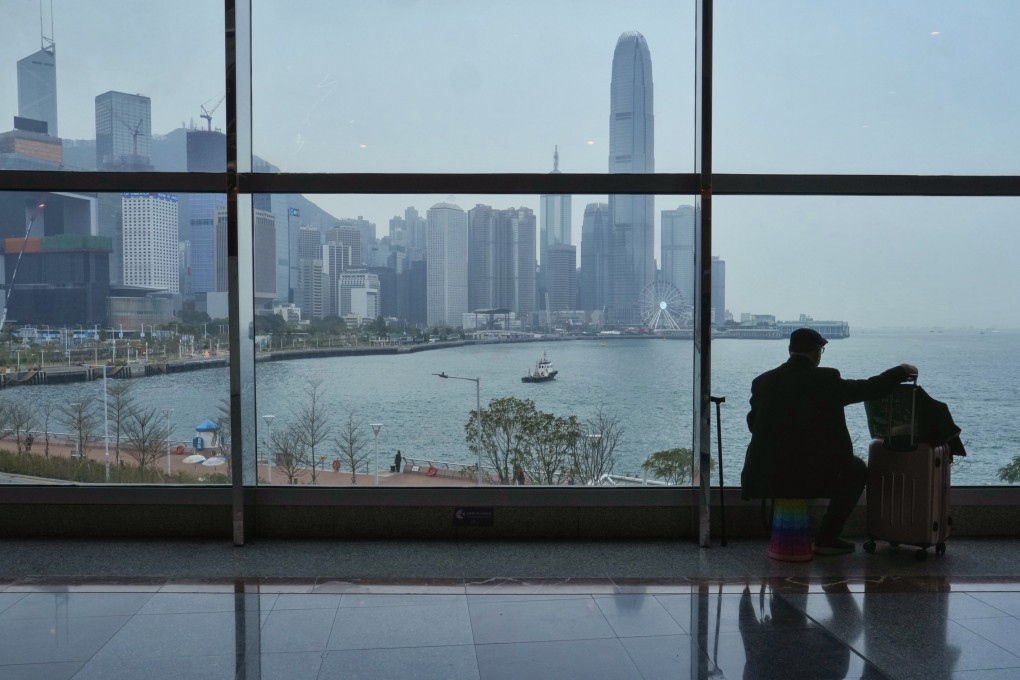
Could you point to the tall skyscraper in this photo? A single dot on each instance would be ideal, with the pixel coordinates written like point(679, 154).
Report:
point(37, 86)
point(203, 237)
point(718, 290)
point(554, 213)
point(631, 150)
point(151, 254)
point(562, 278)
point(596, 239)
point(678, 232)
point(501, 259)
point(264, 244)
point(447, 270)
point(123, 131)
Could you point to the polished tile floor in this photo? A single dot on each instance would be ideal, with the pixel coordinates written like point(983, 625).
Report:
point(833, 618)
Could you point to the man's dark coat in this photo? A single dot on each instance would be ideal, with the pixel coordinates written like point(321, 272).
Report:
point(799, 439)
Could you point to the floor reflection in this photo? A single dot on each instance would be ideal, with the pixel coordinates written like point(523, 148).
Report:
point(554, 628)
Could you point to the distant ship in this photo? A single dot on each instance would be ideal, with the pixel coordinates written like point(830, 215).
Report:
point(543, 372)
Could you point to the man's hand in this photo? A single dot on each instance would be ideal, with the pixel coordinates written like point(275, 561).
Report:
point(911, 370)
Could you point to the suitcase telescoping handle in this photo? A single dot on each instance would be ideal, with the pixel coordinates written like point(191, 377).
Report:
point(912, 379)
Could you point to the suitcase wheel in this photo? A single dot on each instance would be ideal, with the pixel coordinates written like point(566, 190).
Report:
point(940, 548)
point(921, 555)
point(869, 546)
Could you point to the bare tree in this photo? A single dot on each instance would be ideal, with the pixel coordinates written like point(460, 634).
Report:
point(46, 416)
point(83, 420)
point(313, 425)
point(287, 452)
point(20, 421)
point(350, 441)
point(595, 454)
point(119, 404)
point(145, 432)
point(551, 440)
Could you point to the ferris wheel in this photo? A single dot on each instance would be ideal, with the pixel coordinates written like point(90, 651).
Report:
point(664, 309)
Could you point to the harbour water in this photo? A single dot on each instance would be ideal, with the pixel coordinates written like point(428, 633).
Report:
point(645, 383)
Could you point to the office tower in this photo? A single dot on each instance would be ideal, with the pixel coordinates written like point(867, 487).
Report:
point(336, 259)
point(359, 295)
point(309, 283)
point(417, 233)
point(279, 206)
point(221, 263)
point(206, 150)
point(184, 267)
point(62, 280)
point(562, 277)
point(388, 291)
point(631, 150)
point(365, 241)
point(718, 290)
point(37, 86)
point(264, 258)
point(447, 269)
point(501, 259)
point(123, 131)
point(352, 238)
point(678, 232)
point(151, 254)
point(203, 236)
point(555, 230)
point(596, 237)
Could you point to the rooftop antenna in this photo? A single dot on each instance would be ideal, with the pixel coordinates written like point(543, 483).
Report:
point(556, 158)
point(47, 43)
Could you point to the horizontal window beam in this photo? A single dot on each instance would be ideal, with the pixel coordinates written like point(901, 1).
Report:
point(517, 183)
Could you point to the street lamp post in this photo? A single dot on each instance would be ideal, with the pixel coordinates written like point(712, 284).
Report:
point(478, 402)
point(168, 412)
point(375, 436)
point(268, 419)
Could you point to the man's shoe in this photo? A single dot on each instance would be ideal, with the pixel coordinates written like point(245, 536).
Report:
point(833, 546)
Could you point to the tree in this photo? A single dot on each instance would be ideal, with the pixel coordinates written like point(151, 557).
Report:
point(350, 441)
point(674, 466)
point(18, 422)
point(505, 426)
point(595, 454)
point(285, 448)
point(46, 416)
point(1010, 472)
point(551, 439)
point(313, 424)
point(82, 419)
point(119, 403)
point(146, 433)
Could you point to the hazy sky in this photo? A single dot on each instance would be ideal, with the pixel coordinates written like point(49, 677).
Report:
point(920, 87)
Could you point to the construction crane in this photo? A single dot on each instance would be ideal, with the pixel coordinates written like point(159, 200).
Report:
point(207, 114)
point(24, 244)
point(135, 131)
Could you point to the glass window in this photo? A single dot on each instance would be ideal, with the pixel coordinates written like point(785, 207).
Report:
point(114, 353)
point(447, 88)
point(926, 281)
point(107, 86)
point(400, 302)
point(877, 88)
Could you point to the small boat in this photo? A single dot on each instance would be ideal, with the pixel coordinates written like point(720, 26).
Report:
point(542, 373)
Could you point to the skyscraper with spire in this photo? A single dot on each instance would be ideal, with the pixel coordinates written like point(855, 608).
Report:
point(37, 82)
point(631, 150)
point(554, 214)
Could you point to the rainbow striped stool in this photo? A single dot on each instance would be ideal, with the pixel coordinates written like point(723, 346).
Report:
point(791, 531)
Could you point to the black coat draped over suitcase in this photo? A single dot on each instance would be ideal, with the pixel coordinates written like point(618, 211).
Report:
point(799, 438)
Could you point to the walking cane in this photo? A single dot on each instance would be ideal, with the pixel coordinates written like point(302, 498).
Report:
point(722, 498)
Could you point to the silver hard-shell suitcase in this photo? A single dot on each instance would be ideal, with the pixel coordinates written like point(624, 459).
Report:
point(908, 482)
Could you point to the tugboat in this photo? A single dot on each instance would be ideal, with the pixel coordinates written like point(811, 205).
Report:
point(543, 372)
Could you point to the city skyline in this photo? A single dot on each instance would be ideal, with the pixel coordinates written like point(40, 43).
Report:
point(924, 97)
